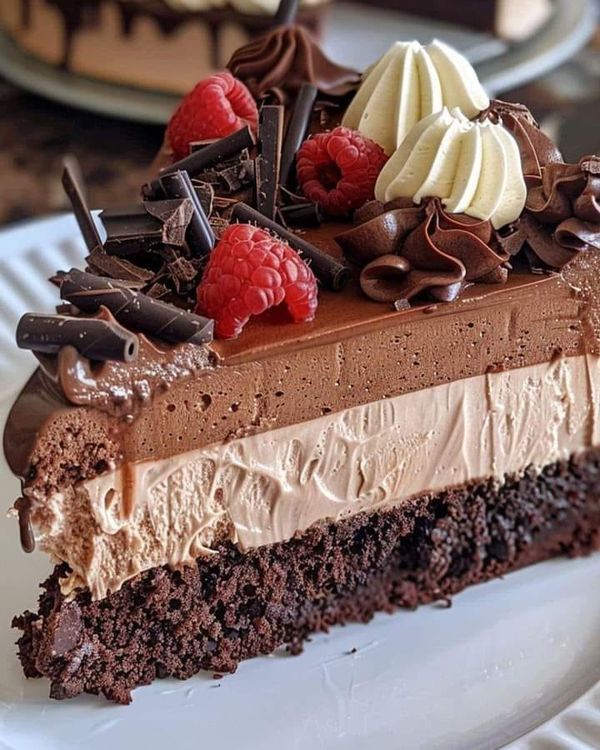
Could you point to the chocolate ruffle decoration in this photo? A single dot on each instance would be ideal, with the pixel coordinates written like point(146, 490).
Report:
point(276, 65)
point(537, 150)
point(562, 216)
point(410, 250)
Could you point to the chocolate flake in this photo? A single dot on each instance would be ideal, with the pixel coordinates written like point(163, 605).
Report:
point(74, 189)
point(200, 236)
point(118, 268)
point(134, 309)
point(268, 162)
point(175, 216)
point(329, 270)
point(206, 195)
point(95, 339)
point(297, 129)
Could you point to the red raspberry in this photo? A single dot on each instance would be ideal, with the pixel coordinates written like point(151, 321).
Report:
point(250, 271)
point(216, 107)
point(339, 170)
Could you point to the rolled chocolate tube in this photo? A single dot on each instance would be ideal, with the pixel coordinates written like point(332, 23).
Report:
point(96, 339)
point(200, 160)
point(302, 215)
point(134, 309)
point(268, 163)
point(297, 129)
point(199, 234)
point(286, 13)
point(75, 192)
point(326, 268)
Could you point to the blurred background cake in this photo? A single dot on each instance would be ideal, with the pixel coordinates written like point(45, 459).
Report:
point(164, 45)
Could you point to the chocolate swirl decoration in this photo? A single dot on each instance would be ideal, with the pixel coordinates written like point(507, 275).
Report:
point(277, 64)
point(536, 149)
point(410, 250)
point(562, 216)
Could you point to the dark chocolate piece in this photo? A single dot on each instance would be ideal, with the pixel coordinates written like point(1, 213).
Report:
point(118, 268)
point(200, 160)
point(75, 191)
point(206, 195)
point(232, 175)
point(297, 129)
point(140, 311)
point(200, 236)
point(286, 13)
point(199, 145)
point(95, 339)
point(131, 229)
point(175, 217)
point(302, 215)
point(23, 507)
point(268, 162)
point(325, 267)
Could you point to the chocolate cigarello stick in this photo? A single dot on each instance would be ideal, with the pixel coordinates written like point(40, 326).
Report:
point(200, 160)
point(199, 234)
point(326, 268)
point(76, 195)
point(297, 129)
point(269, 159)
point(302, 214)
point(134, 309)
point(96, 339)
point(286, 13)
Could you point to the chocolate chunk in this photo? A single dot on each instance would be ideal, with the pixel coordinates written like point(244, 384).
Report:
point(74, 189)
point(268, 162)
point(286, 13)
point(326, 268)
point(200, 160)
point(134, 309)
point(183, 272)
point(302, 215)
point(157, 290)
point(175, 216)
point(297, 129)
point(200, 236)
point(131, 229)
point(96, 339)
point(206, 195)
point(118, 268)
point(23, 507)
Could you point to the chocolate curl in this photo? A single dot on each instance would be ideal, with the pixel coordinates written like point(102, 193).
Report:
point(134, 309)
point(268, 162)
point(302, 215)
point(286, 13)
point(200, 236)
point(297, 129)
point(75, 192)
point(327, 269)
point(95, 339)
point(200, 160)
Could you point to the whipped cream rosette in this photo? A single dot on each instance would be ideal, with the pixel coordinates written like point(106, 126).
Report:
point(411, 82)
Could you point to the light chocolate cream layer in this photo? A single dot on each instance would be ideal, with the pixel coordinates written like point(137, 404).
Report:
point(268, 487)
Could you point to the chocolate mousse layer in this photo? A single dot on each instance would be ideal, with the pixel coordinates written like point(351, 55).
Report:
point(235, 605)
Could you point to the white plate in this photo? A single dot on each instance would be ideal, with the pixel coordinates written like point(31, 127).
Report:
point(500, 67)
point(507, 657)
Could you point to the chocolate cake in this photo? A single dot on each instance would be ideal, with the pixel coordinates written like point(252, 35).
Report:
point(320, 371)
point(163, 45)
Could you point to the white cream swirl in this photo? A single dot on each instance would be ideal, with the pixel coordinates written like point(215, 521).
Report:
point(408, 83)
point(252, 7)
point(473, 167)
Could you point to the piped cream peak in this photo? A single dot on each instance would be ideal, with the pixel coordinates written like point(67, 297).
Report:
point(408, 83)
point(473, 167)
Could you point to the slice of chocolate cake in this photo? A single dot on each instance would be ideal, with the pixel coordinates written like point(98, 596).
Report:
point(310, 378)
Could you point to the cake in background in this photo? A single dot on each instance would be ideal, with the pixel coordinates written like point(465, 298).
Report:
point(164, 45)
point(513, 20)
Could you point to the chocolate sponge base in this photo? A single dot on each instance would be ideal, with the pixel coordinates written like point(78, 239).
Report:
point(234, 605)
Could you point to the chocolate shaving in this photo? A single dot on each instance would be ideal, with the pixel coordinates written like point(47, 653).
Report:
point(23, 507)
point(297, 129)
point(326, 268)
point(76, 194)
point(206, 195)
point(118, 268)
point(175, 217)
point(199, 161)
point(134, 309)
point(231, 176)
point(200, 236)
point(95, 339)
point(268, 162)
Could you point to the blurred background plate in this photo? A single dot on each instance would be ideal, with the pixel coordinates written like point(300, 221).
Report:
point(500, 66)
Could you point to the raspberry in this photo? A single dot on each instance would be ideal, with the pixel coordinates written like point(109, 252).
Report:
point(216, 107)
point(250, 271)
point(338, 170)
